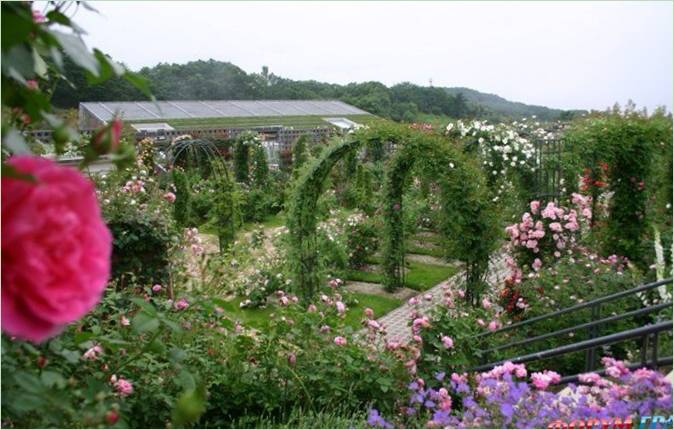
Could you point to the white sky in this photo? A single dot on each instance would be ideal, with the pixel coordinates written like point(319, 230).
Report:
point(558, 54)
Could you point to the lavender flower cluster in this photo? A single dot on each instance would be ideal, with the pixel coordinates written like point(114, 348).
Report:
point(502, 398)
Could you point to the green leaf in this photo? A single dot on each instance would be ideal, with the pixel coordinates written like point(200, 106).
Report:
point(143, 322)
point(140, 83)
point(17, 24)
point(53, 379)
point(9, 171)
point(18, 63)
point(177, 355)
point(144, 305)
point(75, 48)
point(28, 382)
point(189, 407)
point(39, 65)
point(172, 325)
point(186, 380)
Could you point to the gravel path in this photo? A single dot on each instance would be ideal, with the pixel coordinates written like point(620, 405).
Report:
point(395, 322)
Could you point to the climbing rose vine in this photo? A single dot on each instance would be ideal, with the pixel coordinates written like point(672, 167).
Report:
point(55, 249)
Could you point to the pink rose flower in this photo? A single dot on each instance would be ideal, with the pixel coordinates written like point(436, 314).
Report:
point(312, 308)
point(156, 288)
point(32, 85)
point(447, 342)
point(124, 387)
point(542, 380)
point(125, 321)
point(555, 226)
point(369, 313)
point(550, 211)
point(494, 325)
point(534, 206)
point(170, 197)
point(93, 353)
point(182, 304)
point(340, 341)
point(486, 303)
point(537, 264)
point(341, 308)
point(55, 249)
point(38, 18)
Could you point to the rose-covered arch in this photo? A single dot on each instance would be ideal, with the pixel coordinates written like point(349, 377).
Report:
point(467, 220)
point(302, 215)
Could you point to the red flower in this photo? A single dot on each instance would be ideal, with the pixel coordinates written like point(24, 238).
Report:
point(112, 417)
point(107, 139)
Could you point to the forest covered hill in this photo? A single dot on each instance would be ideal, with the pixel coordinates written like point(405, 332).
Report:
point(217, 80)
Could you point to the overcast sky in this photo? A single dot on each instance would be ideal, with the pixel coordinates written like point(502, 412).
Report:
point(557, 54)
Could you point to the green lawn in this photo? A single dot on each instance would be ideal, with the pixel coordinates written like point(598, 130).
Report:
point(420, 277)
point(256, 318)
point(380, 305)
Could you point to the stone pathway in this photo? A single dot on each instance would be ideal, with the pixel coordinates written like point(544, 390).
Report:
point(378, 290)
point(429, 259)
point(396, 321)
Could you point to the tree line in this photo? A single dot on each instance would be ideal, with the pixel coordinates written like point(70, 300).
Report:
point(217, 80)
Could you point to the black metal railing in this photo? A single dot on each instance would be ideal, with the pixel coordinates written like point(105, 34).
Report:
point(648, 334)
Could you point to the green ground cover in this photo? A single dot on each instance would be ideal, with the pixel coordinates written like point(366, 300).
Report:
point(257, 317)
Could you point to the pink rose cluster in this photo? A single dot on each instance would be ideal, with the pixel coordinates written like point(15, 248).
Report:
point(56, 249)
point(123, 386)
point(549, 230)
point(507, 368)
point(542, 380)
point(134, 187)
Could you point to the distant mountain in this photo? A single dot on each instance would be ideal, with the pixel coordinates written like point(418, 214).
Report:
point(217, 80)
point(496, 106)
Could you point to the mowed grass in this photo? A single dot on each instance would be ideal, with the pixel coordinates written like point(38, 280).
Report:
point(304, 121)
point(257, 318)
point(420, 276)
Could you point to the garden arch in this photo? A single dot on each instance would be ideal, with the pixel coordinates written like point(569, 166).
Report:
point(467, 219)
point(463, 193)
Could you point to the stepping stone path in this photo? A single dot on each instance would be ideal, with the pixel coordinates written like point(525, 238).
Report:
point(395, 322)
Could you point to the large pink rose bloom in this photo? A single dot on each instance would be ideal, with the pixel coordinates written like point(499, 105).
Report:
point(55, 249)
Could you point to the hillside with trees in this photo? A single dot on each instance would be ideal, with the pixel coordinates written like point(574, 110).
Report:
point(216, 80)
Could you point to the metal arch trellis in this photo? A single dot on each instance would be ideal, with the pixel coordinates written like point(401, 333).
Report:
point(197, 151)
point(547, 180)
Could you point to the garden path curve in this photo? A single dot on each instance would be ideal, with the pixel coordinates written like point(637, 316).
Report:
point(395, 322)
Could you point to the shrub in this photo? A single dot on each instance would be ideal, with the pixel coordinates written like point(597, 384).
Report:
point(362, 239)
point(141, 249)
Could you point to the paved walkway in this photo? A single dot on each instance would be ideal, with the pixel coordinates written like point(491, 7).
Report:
point(396, 321)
